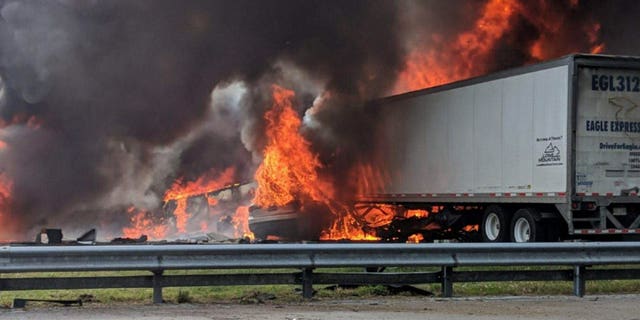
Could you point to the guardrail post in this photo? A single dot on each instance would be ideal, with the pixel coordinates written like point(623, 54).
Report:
point(157, 286)
point(578, 281)
point(307, 283)
point(447, 283)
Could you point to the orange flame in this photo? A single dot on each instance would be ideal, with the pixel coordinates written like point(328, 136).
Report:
point(212, 201)
point(415, 238)
point(551, 25)
point(6, 190)
point(471, 51)
point(368, 179)
point(428, 68)
point(471, 227)
point(288, 171)
point(6, 186)
point(593, 33)
point(143, 224)
point(418, 213)
point(241, 223)
point(180, 191)
point(376, 216)
point(181, 214)
point(347, 227)
point(22, 119)
point(210, 181)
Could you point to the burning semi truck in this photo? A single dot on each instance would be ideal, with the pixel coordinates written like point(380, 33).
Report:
point(537, 153)
point(534, 153)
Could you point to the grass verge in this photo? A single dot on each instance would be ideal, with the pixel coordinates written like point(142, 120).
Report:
point(291, 293)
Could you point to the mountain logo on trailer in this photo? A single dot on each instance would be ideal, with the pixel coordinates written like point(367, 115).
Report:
point(550, 156)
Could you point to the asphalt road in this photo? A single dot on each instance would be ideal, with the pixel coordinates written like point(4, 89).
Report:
point(556, 307)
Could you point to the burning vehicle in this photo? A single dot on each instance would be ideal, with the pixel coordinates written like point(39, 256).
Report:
point(151, 117)
point(290, 222)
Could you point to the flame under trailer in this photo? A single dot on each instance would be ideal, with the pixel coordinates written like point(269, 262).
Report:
point(537, 153)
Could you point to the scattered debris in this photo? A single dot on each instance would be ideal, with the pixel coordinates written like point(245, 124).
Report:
point(88, 237)
point(199, 238)
point(143, 238)
point(218, 237)
point(21, 303)
point(257, 297)
point(342, 286)
point(87, 298)
point(210, 238)
point(49, 236)
point(396, 289)
point(184, 297)
point(391, 289)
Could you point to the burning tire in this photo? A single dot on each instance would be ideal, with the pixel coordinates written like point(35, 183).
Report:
point(495, 225)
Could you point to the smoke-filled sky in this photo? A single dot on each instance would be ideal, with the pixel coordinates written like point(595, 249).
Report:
point(105, 103)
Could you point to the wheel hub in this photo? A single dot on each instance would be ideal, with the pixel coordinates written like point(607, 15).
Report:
point(522, 230)
point(492, 226)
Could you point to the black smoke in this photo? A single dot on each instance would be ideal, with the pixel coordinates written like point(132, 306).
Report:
point(105, 103)
point(120, 90)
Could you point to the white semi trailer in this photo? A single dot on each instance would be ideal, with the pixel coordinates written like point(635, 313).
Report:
point(538, 152)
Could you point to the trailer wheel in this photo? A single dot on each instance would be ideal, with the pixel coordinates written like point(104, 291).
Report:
point(525, 228)
point(495, 225)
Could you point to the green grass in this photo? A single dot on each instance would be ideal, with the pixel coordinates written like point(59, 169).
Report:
point(291, 293)
point(171, 295)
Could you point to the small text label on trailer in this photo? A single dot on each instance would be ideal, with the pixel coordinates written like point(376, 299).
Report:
point(615, 83)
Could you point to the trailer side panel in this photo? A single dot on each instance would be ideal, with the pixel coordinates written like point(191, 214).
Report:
point(504, 136)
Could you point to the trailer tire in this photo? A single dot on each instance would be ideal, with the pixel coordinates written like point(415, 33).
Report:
point(525, 227)
point(495, 224)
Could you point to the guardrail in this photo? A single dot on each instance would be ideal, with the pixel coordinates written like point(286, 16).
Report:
point(577, 259)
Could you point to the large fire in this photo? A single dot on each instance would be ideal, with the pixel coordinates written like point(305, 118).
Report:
point(189, 218)
point(6, 183)
point(180, 191)
point(241, 223)
point(142, 223)
point(289, 170)
point(469, 54)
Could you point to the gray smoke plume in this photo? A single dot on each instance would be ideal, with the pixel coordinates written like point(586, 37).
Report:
point(105, 103)
point(120, 90)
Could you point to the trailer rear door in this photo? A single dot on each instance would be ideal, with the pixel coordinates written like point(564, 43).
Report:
point(608, 131)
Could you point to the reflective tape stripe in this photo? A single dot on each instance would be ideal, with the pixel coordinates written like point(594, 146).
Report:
point(459, 195)
point(606, 231)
